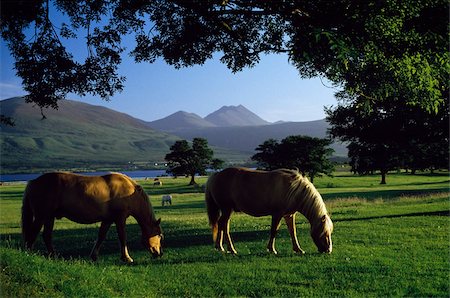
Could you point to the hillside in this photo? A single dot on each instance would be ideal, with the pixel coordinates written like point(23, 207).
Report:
point(83, 136)
point(249, 137)
point(79, 135)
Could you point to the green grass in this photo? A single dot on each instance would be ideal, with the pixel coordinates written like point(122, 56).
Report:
point(389, 240)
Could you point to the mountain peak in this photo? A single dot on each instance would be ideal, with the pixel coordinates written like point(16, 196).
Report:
point(235, 116)
point(180, 119)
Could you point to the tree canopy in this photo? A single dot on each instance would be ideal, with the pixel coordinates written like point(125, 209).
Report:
point(185, 159)
point(391, 136)
point(371, 50)
point(309, 155)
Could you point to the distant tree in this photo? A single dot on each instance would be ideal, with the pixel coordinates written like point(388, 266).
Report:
point(309, 155)
point(368, 158)
point(267, 155)
point(217, 164)
point(186, 160)
point(392, 136)
point(373, 50)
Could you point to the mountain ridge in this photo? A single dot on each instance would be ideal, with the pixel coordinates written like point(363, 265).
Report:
point(86, 136)
point(82, 136)
point(226, 116)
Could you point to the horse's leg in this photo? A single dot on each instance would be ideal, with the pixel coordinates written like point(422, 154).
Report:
point(120, 226)
point(36, 227)
point(290, 222)
point(104, 227)
point(223, 228)
point(47, 235)
point(219, 240)
point(273, 233)
point(224, 221)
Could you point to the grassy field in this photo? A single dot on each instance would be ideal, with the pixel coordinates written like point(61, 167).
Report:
point(389, 240)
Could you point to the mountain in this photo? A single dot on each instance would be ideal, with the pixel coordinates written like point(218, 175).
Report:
point(179, 120)
point(77, 135)
point(226, 116)
point(247, 138)
point(237, 128)
point(83, 136)
point(234, 116)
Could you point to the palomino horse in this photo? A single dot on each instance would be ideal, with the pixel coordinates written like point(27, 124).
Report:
point(88, 199)
point(280, 193)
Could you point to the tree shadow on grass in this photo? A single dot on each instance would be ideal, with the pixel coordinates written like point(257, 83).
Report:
point(431, 213)
point(176, 189)
point(78, 242)
point(386, 194)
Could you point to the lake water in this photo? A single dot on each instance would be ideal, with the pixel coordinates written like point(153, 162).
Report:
point(132, 174)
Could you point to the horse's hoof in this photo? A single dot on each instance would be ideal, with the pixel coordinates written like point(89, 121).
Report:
point(300, 252)
point(219, 249)
point(272, 251)
point(127, 260)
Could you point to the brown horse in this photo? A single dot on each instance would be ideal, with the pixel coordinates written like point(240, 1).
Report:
point(280, 193)
point(88, 199)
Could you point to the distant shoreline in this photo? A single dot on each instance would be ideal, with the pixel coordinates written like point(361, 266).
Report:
point(137, 174)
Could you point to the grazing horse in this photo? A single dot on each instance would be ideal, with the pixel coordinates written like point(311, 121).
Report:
point(279, 193)
point(166, 199)
point(88, 199)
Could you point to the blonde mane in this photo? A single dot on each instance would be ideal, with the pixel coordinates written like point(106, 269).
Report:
point(303, 193)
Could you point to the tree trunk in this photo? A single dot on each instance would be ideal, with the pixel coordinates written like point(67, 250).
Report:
point(383, 177)
point(192, 182)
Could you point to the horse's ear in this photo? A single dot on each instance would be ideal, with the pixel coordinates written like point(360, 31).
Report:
point(158, 221)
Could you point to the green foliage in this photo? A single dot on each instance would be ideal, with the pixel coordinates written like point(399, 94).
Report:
point(186, 160)
point(388, 241)
point(373, 50)
point(392, 135)
point(309, 155)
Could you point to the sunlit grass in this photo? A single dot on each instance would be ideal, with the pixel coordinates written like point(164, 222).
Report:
point(389, 240)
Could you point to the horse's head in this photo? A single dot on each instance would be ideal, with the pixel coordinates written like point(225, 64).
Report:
point(321, 234)
point(153, 241)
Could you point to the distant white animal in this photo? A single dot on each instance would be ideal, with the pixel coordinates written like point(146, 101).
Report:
point(166, 199)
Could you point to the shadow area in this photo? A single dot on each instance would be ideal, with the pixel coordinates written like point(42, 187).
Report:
point(431, 213)
point(176, 189)
point(195, 237)
point(388, 194)
point(78, 242)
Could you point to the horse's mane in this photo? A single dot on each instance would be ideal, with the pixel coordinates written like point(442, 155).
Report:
point(303, 192)
point(144, 201)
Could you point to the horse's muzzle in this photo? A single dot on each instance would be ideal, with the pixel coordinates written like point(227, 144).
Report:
point(156, 254)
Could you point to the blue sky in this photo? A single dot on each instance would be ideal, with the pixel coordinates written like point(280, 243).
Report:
point(273, 89)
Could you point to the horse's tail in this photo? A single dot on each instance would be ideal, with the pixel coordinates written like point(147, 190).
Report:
point(212, 208)
point(27, 214)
